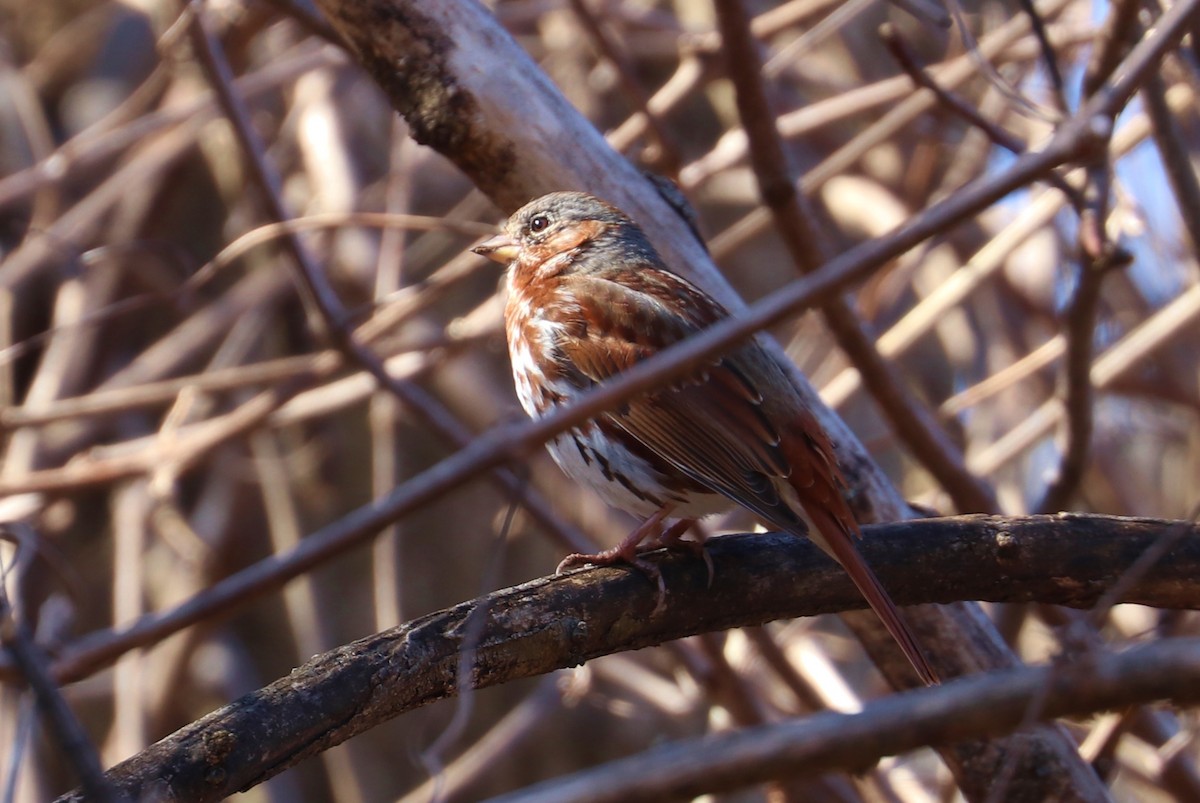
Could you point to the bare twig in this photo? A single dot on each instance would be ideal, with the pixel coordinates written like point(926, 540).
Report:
point(33, 666)
point(103, 141)
point(495, 747)
point(1019, 100)
point(1155, 333)
point(666, 158)
point(905, 57)
point(1120, 33)
point(1081, 327)
point(1097, 257)
point(1175, 155)
point(1049, 58)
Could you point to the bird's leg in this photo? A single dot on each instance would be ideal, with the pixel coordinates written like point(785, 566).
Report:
point(624, 552)
point(672, 538)
point(627, 552)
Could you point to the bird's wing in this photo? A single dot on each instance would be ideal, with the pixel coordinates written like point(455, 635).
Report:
point(716, 427)
point(711, 426)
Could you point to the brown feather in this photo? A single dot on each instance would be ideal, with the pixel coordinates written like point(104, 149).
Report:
point(589, 298)
point(714, 428)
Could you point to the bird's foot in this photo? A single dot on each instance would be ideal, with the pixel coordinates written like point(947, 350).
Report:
point(628, 552)
point(628, 555)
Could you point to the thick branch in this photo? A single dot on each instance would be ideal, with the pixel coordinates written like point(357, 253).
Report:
point(562, 621)
point(968, 708)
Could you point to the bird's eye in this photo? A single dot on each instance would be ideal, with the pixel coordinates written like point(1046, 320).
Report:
point(539, 223)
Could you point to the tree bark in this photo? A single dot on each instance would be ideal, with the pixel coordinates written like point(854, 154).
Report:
point(563, 621)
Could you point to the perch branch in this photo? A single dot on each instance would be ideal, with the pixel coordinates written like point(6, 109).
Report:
point(562, 621)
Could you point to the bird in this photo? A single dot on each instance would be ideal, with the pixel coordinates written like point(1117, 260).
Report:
point(588, 296)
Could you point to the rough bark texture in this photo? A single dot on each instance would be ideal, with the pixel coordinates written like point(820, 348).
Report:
point(562, 621)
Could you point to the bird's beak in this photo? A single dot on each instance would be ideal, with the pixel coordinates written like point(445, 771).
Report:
point(500, 248)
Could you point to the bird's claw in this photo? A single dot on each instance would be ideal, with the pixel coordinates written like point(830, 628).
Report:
point(611, 557)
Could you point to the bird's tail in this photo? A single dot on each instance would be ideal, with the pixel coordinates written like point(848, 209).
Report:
point(836, 537)
point(818, 484)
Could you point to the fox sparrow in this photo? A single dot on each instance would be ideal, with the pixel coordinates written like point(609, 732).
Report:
point(588, 296)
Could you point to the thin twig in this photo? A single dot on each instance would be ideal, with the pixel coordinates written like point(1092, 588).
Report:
point(470, 633)
point(1097, 257)
point(1175, 153)
point(988, 71)
point(1049, 58)
point(1000, 136)
point(1081, 328)
point(494, 749)
point(1009, 40)
point(667, 159)
point(1123, 356)
point(33, 666)
point(102, 141)
point(1121, 32)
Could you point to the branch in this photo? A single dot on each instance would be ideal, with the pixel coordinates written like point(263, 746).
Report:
point(967, 708)
point(63, 726)
point(562, 621)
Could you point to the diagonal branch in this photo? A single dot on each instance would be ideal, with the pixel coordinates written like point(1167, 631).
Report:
point(964, 709)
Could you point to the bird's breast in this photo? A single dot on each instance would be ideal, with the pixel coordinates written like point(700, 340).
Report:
point(533, 333)
point(600, 454)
